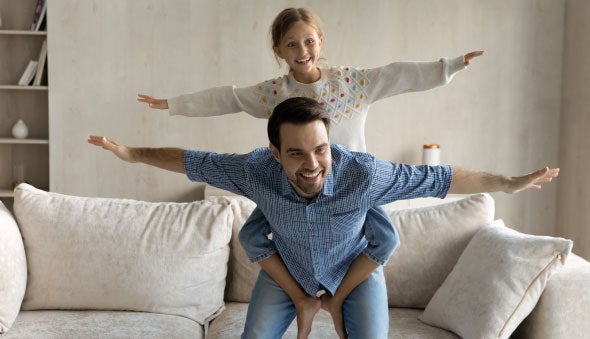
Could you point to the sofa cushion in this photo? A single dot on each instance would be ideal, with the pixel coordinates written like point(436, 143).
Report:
point(496, 282)
point(118, 254)
point(241, 273)
point(102, 324)
point(431, 241)
point(13, 269)
point(403, 324)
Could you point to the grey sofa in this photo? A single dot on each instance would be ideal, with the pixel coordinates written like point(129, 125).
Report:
point(76, 267)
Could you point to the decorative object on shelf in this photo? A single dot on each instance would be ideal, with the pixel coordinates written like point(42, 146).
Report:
point(431, 154)
point(20, 130)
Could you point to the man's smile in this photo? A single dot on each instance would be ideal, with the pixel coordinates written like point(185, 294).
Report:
point(311, 176)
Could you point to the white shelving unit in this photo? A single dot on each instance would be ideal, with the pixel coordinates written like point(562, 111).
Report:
point(19, 45)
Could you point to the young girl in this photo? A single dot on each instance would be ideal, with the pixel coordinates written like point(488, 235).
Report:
point(346, 92)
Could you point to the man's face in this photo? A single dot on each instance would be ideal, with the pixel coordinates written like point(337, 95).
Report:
point(305, 155)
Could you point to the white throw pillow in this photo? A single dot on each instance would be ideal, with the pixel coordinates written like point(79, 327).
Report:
point(13, 269)
point(119, 254)
point(496, 282)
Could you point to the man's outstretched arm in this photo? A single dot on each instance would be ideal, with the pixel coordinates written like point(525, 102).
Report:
point(170, 159)
point(467, 181)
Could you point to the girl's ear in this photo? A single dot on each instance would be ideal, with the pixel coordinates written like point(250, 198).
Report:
point(275, 152)
point(277, 52)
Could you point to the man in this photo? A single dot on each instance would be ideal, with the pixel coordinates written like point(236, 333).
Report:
point(315, 198)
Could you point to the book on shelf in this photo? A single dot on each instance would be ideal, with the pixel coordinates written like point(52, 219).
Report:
point(28, 74)
point(40, 14)
point(41, 64)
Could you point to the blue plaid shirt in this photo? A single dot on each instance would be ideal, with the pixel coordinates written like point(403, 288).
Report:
point(318, 239)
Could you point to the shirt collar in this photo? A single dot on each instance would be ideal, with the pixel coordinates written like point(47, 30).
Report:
point(329, 184)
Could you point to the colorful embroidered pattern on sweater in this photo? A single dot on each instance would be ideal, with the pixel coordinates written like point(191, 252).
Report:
point(343, 92)
point(271, 94)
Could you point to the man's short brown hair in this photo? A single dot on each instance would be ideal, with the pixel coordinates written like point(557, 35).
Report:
point(298, 111)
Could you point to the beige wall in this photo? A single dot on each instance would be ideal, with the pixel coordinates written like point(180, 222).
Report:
point(501, 115)
point(574, 157)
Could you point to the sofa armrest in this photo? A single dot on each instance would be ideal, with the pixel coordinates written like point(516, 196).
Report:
point(13, 269)
point(563, 311)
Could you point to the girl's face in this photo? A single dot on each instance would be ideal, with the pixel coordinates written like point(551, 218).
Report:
point(300, 48)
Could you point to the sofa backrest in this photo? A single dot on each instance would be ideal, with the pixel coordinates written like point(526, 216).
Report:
point(120, 254)
point(241, 273)
point(432, 239)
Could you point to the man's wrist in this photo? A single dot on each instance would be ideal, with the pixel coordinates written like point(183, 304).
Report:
point(507, 183)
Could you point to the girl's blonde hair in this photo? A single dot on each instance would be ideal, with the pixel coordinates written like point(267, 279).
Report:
point(287, 18)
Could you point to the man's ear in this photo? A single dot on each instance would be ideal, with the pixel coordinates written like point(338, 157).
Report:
point(275, 152)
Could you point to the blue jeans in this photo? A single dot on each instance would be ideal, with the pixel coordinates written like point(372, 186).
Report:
point(379, 232)
point(365, 310)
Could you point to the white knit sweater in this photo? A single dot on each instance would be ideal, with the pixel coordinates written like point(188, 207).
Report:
point(346, 92)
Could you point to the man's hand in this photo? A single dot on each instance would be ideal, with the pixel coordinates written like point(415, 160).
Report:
point(532, 180)
point(153, 102)
point(121, 151)
point(334, 307)
point(305, 305)
point(170, 159)
point(306, 308)
point(469, 182)
point(469, 56)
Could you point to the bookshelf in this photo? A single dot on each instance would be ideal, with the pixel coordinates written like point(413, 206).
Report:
point(28, 158)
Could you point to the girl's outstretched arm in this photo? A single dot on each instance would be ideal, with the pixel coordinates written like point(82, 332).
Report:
point(153, 102)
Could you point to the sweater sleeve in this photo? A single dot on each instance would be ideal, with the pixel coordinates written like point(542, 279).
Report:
point(402, 77)
point(218, 101)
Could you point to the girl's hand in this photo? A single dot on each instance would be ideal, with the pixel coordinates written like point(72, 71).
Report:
point(153, 102)
point(472, 55)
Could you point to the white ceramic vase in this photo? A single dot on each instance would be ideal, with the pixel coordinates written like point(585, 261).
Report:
point(431, 154)
point(20, 130)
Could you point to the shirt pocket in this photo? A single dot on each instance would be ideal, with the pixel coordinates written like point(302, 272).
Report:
point(347, 222)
